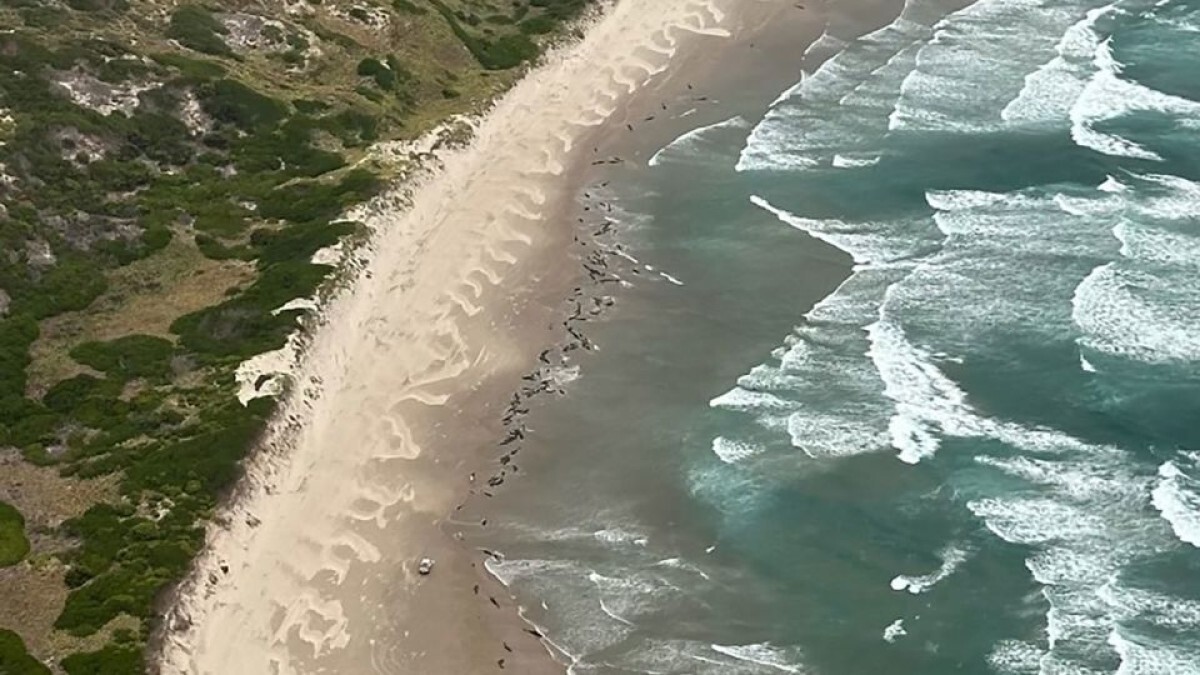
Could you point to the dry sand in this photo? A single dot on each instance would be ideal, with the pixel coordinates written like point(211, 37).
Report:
point(312, 568)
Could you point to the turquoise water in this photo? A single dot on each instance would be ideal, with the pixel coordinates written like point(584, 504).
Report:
point(979, 452)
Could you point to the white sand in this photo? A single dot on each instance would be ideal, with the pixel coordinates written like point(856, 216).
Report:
point(320, 544)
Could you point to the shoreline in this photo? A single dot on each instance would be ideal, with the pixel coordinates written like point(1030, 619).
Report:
point(700, 86)
point(293, 573)
point(676, 104)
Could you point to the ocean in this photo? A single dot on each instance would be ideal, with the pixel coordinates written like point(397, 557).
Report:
point(908, 378)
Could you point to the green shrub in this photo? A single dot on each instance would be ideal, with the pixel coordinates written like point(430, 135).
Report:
point(561, 10)
point(160, 137)
point(220, 217)
point(298, 242)
point(383, 76)
point(70, 393)
point(310, 107)
point(43, 17)
point(14, 660)
point(340, 39)
point(352, 127)
point(111, 660)
point(308, 202)
point(14, 546)
point(127, 589)
point(195, 28)
point(505, 52)
point(538, 25)
point(128, 357)
point(102, 531)
point(70, 285)
point(232, 102)
point(289, 146)
point(124, 559)
point(245, 326)
point(98, 5)
point(36, 424)
point(409, 7)
point(191, 68)
point(214, 250)
point(16, 335)
point(208, 462)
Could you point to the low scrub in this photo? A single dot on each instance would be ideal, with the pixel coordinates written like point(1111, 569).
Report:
point(14, 545)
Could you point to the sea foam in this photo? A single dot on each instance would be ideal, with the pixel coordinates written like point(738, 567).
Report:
point(1177, 496)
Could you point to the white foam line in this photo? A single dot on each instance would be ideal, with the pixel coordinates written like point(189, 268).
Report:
point(805, 225)
point(690, 138)
point(762, 654)
point(952, 558)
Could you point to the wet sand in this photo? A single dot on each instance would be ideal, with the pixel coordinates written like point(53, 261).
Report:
point(397, 408)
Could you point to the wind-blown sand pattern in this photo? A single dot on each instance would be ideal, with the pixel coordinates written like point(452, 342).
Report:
point(311, 569)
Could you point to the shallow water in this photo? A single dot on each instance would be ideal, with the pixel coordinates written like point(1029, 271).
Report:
point(978, 452)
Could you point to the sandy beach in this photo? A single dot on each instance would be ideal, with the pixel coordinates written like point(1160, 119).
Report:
point(396, 407)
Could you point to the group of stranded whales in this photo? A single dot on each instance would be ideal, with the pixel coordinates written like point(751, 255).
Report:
point(603, 261)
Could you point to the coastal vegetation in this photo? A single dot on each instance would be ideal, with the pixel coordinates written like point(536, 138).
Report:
point(14, 660)
point(166, 176)
point(14, 545)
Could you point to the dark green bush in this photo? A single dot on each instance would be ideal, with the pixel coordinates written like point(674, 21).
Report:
point(505, 52)
point(70, 285)
point(111, 660)
point(128, 357)
point(538, 25)
point(14, 660)
point(561, 10)
point(43, 17)
point(289, 146)
point(98, 5)
point(244, 325)
point(102, 531)
point(309, 107)
point(16, 335)
point(191, 68)
point(298, 242)
point(195, 28)
point(232, 102)
point(70, 393)
point(409, 7)
point(352, 127)
point(374, 69)
point(215, 250)
point(310, 202)
point(14, 546)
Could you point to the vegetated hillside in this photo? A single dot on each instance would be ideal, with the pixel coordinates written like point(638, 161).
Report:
point(166, 173)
